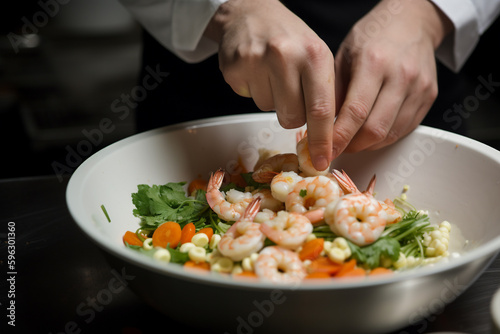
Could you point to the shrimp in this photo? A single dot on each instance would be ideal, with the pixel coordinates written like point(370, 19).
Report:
point(268, 200)
point(311, 195)
point(283, 183)
point(279, 265)
point(393, 215)
point(227, 210)
point(305, 162)
point(287, 229)
point(345, 182)
point(286, 162)
point(244, 237)
point(356, 216)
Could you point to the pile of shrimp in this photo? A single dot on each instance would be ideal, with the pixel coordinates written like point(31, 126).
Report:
point(297, 199)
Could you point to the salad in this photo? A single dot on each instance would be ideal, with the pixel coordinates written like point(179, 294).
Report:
point(284, 222)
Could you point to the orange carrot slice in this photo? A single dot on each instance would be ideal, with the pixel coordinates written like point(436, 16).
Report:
point(168, 232)
point(197, 265)
point(345, 267)
point(324, 265)
point(354, 272)
point(317, 275)
point(380, 271)
point(245, 275)
point(208, 231)
point(187, 233)
point(197, 184)
point(312, 249)
point(132, 239)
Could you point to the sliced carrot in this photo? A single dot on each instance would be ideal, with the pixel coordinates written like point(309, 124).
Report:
point(345, 267)
point(250, 275)
point(311, 249)
point(197, 184)
point(317, 275)
point(132, 239)
point(324, 265)
point(168, 232)
point(354, 272)
point(197, 265)
point(380, 271)
point(208, 231)
point(187, 233)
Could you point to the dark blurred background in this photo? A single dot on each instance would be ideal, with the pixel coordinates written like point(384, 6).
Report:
point(66, 66)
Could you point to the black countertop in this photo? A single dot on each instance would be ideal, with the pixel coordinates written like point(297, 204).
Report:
point(61, 282)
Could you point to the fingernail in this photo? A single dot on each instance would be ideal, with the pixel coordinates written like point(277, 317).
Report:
point(321, 162)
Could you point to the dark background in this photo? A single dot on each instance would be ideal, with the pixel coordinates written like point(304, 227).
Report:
point(84, 55)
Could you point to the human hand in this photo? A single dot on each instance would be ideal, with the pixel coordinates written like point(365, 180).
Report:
point(269, 54)
point(386, 77)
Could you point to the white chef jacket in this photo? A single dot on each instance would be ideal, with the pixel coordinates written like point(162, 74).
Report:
point(179, 25)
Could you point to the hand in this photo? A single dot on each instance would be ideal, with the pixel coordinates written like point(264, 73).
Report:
point(266, 52)
point(386, 77)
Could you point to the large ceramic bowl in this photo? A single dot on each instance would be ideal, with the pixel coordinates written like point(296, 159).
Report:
point(453, 177)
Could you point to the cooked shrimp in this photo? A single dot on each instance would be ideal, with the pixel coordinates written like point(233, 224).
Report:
point(268, 200)
point(283, 183)
point(345, 182)
point(264, 215)
point(393, 215)
point(243, 237)
point(287, 229)
point(311, 195)
point(286, 162)
point(356, 216)
point(305, 162)
point(279, 265)
point(225, 209)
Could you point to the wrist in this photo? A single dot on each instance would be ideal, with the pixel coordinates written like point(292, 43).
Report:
point(436, 23)
point(215, 28)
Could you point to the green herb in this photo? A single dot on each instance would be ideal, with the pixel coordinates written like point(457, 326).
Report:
point(159, 203)
point(105, 213)
point(177, 256)
point(371, 255)
point(252, 183)
point(303, 192)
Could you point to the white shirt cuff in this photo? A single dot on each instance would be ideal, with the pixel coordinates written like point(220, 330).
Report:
point(470, 19)
point(458, 45)
point(189, 20)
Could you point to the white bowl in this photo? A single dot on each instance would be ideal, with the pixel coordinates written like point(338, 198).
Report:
point(453, 177)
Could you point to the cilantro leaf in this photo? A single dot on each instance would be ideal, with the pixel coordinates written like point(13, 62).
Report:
point(159, 203)
point(370, 255)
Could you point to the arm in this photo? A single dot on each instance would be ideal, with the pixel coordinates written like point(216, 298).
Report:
point(178, 24)
point(470, 19)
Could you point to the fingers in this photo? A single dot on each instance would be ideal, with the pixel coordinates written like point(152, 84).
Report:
point(318, 82)
point(358, 103)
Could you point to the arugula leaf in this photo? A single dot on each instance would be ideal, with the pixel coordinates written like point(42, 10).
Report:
point(370, 255)
point(159, 203)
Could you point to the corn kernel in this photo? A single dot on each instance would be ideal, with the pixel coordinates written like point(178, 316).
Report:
point(197, 254)
point(162, 254)
point(200, 239)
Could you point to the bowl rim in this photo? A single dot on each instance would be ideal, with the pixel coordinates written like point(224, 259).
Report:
point(79, 176)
